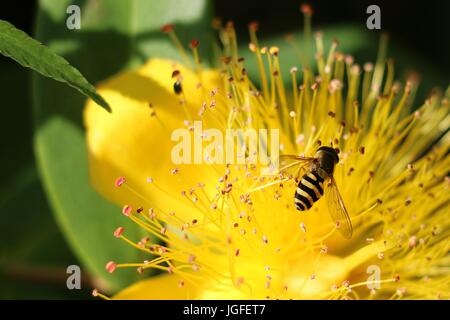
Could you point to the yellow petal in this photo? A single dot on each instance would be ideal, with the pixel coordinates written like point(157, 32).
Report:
point(163, 287)
point(130, 142)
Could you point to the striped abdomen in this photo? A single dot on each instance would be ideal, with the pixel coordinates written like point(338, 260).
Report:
point(309, 190)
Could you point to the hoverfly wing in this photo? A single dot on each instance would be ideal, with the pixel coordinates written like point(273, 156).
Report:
point(337, 210)
point(291, 165)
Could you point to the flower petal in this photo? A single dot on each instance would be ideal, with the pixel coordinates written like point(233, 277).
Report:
point(130, 142)
point(163, 287)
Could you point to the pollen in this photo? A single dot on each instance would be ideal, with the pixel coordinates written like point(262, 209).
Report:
point(126, 210)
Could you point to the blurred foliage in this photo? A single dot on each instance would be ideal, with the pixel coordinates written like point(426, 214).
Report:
point(115, 35)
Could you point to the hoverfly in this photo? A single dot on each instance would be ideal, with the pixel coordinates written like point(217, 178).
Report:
point(310, 188)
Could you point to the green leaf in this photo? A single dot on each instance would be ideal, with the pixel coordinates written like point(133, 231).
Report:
point(28, 52)
point(114, 35)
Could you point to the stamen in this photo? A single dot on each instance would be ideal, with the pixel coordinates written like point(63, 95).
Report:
point(170, 30)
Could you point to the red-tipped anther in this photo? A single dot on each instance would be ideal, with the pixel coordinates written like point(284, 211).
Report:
point(167, 28)
point(253, 26)
point(119, 181)
point(194, 43)
point(126, 210)
point(306, 9)
point(175, 73)
point(230, 25)
point(111, 266)
point(118, 232)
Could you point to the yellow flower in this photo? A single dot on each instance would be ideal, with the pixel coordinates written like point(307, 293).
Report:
point(225, 231)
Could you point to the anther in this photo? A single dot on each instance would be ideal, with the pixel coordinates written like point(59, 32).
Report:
point(119, 181)
point(175, 73)
point(118, 232)
point(306, 9)
point(408, 201)
point(362, 150)
point(253, 26)
point(303, 227)
point(167, 28)
point(274, 51)
point(350, 171)
point(368, 67)
point(194, 44)
point(126, 210)
point(111, 266)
